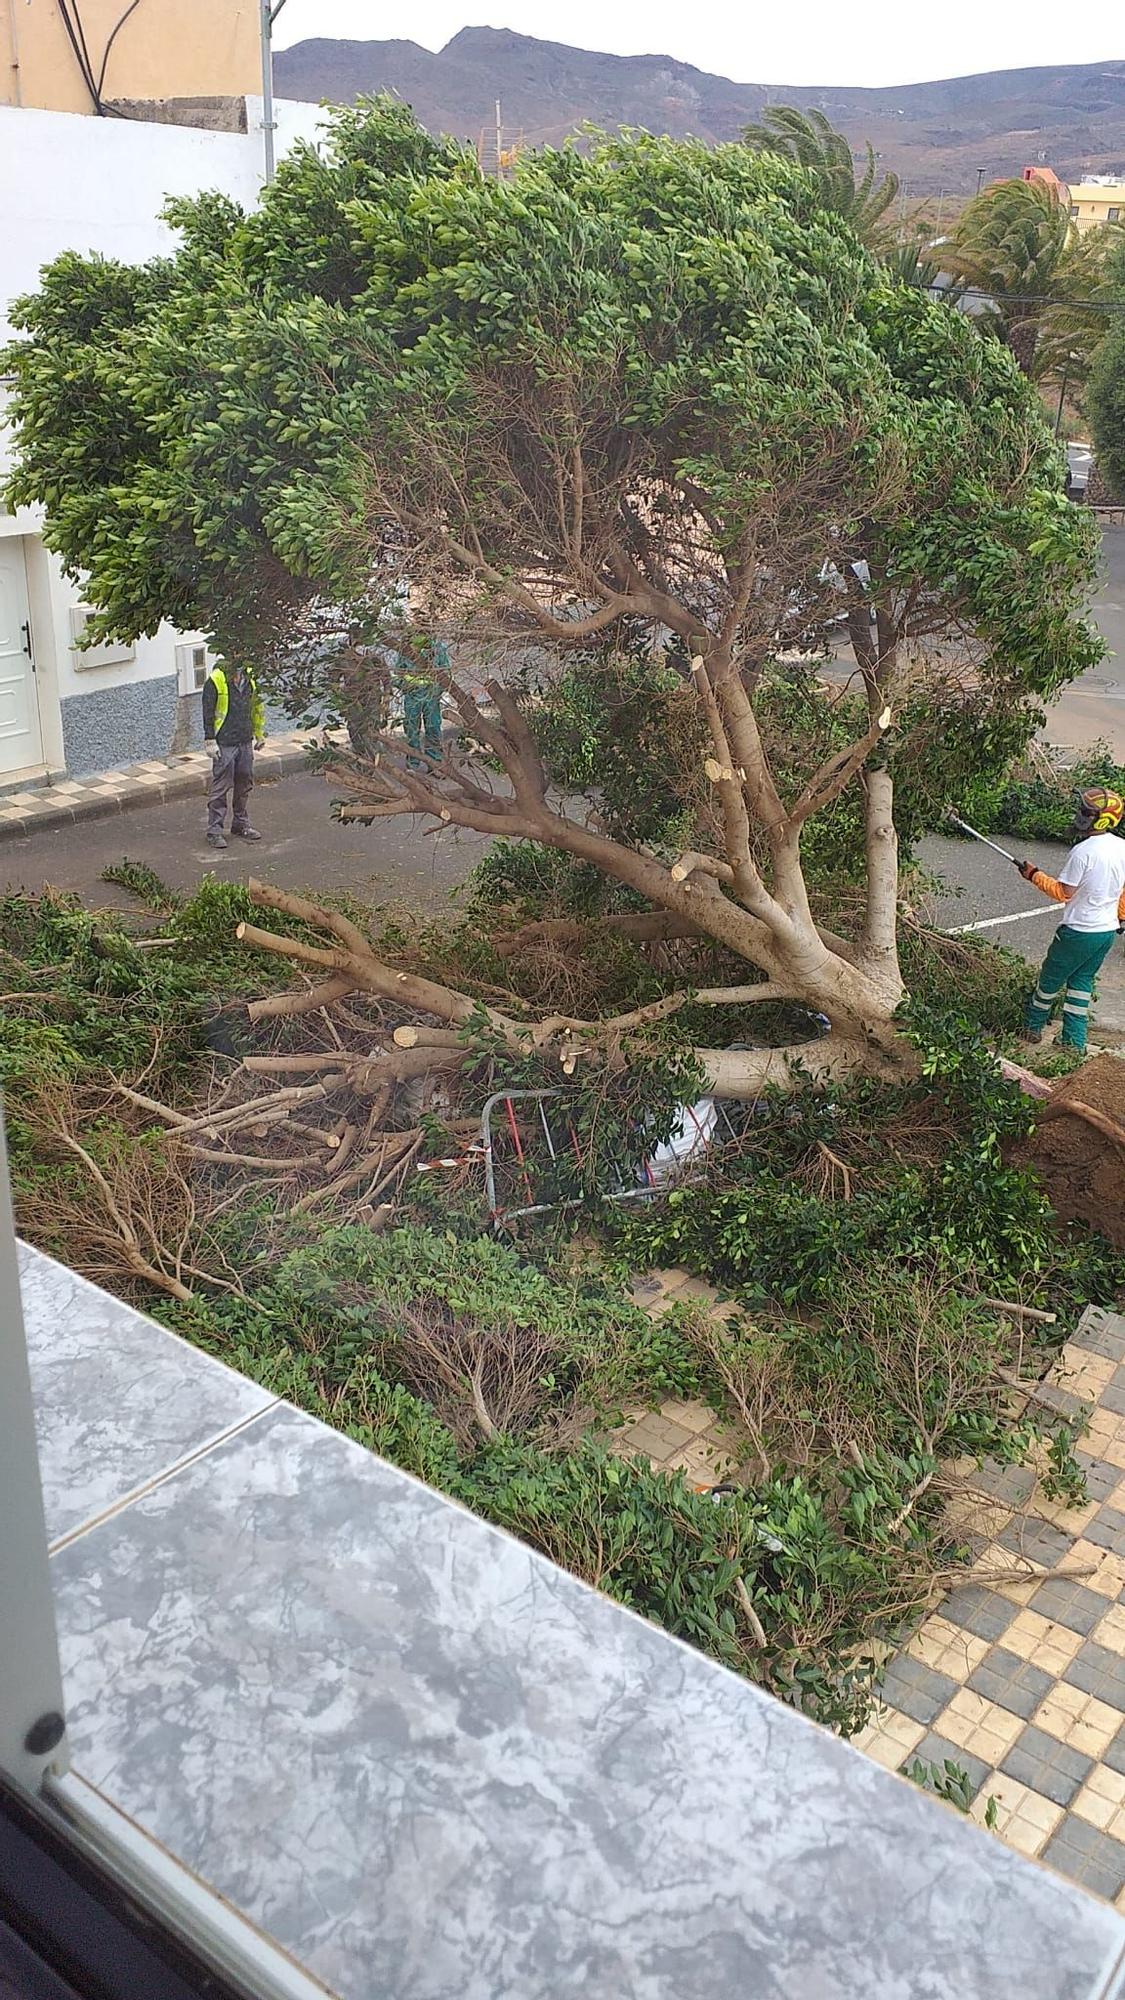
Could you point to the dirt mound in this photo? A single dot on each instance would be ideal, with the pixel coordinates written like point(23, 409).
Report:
point(1083, 1170)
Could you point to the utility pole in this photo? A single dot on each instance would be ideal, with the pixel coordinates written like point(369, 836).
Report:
point(268, 14)
point(1062, 392)
point(980, 170)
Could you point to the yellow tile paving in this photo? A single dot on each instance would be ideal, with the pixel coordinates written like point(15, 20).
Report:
point(703, 1462)
point(1099, 1569)
point(1041, 1641)
point(1079, 1719)
point(1083, 1373)
point(693, 1417)
point(1024, 1819)
point(890, 1738)
point(977, 1513)
point(1062, 1515)
point(1102, 1801)
point(979, 1726)
point(1110, 1630)
point(947, 1648)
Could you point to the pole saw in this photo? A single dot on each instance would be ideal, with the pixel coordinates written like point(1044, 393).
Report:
point(983, 838)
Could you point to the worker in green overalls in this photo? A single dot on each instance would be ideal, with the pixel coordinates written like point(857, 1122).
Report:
point(1091, 888)
point(421, 700)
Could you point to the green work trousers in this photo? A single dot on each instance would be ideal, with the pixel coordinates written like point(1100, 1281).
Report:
point(421, 720)
point(1070, 968)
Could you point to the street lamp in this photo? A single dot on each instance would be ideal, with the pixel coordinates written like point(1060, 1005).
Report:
point(268, 15)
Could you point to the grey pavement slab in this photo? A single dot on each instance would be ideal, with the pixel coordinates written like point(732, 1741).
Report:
point(1115, 1755)
point(1069, 1604)
point(1098, 1672)
point(1037, 1541)
point(983, 1612)
point(1048, 1765)
point(1101, 1478)
point(1090, 1857)
point(1013, 1683)
point(1107, 1529)
point(917, 1690)
point(937, 1751)
point(1113, 1398)
point(1101, 1332)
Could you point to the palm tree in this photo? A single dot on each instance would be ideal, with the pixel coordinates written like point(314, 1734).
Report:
point(1016, 247)
point(807, 138)
point(919, 263)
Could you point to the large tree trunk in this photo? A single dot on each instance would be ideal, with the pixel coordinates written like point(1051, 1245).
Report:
point(746, 1073)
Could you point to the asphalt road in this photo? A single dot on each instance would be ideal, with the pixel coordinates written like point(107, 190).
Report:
point(300, 848)
point(1093, 707)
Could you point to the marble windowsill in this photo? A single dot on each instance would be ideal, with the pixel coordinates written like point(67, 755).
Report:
point(434, 1767)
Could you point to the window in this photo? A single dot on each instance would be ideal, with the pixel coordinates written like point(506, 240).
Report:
point(1113, 215)
point(1073, 210)
point(192, 666)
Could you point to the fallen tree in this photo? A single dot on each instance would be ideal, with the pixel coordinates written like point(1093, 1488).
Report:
point(654, 401)
point(355, 968)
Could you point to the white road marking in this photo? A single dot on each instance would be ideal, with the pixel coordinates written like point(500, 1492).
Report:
point(1017, 916)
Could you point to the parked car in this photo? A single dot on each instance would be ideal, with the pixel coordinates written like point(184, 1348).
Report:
point(1079, 458)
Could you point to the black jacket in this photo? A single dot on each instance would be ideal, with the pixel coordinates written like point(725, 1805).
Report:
point(238, 725)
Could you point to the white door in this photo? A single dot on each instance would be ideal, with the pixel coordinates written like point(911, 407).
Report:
point(20, 740)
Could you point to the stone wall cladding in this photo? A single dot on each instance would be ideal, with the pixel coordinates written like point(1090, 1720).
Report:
point(107, 727)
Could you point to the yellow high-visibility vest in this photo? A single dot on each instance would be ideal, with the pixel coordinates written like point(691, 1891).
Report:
point(222, 702)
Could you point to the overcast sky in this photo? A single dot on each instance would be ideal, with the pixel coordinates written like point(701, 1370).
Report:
point(815, 41)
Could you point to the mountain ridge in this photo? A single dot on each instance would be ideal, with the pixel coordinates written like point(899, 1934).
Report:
point(934, 134)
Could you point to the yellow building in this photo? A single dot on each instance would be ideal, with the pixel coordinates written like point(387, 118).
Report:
point(69, 55)
point(1092, 203)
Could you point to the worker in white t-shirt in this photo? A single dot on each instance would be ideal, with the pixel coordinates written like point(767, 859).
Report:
point(1091, 886)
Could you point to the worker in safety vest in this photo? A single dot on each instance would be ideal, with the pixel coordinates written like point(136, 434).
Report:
point(421, 699)
point(1091, 888)
point(234, 726)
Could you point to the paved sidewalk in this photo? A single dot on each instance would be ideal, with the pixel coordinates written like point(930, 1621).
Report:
point(679, 1436)
point(43, 807)
point(1022, 1684)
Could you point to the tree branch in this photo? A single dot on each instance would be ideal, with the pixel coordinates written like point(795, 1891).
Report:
point(358, 961)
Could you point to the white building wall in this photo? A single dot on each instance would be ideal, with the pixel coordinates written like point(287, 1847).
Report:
point(98, 185)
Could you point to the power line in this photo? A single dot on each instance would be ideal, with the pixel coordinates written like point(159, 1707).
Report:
point(76, 35)
point(109, 44)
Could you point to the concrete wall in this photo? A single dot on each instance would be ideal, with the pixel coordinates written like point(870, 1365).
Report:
point(98, 185)
point(167, 48)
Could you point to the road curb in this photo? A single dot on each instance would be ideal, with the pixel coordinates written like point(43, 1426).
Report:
point(25, 814)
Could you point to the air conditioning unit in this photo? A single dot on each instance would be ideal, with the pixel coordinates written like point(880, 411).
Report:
point(112, 654)
point(193, 664)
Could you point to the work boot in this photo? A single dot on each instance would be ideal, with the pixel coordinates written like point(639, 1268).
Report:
point(1032, 1035)
point(245, 833)
point(216, 840)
